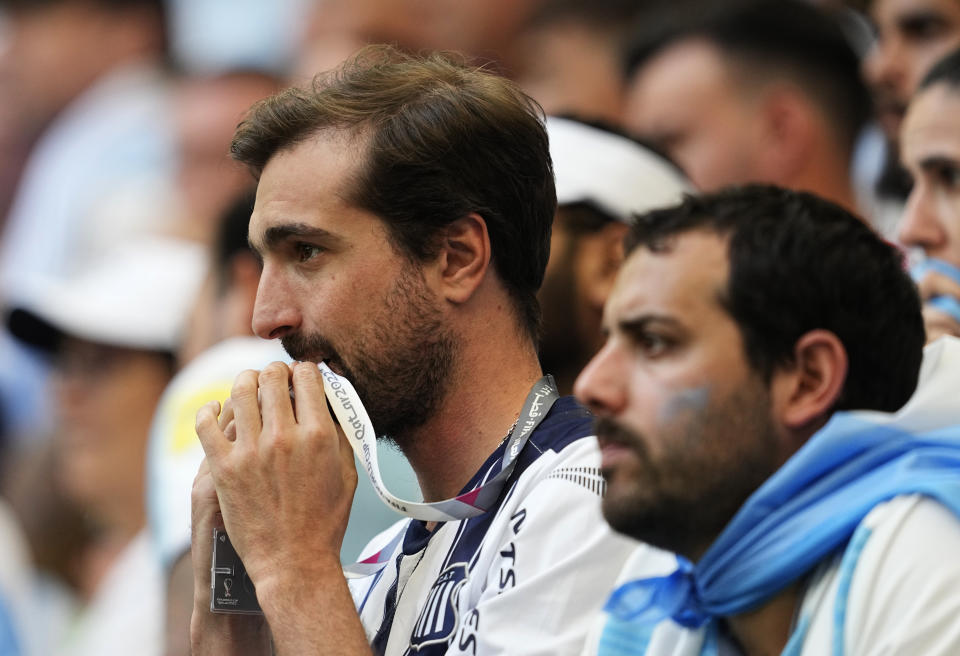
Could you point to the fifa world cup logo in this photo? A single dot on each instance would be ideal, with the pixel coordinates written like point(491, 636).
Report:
point(227, 584)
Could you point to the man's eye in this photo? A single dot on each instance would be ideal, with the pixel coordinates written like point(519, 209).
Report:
point(652, 345)
point(306, 252)
point(948, 176)
point(923, 28)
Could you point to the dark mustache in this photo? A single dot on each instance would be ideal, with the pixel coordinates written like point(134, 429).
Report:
point(612, 432)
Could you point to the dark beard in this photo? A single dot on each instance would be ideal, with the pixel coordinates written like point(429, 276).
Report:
point(683, 501)
point(400, 364)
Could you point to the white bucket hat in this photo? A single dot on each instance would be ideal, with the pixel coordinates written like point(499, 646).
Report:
point(615, 173)
point(138, 296)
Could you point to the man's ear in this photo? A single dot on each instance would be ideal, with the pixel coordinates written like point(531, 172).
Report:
point(464, 257)
point(806, 391)
point(788, 124)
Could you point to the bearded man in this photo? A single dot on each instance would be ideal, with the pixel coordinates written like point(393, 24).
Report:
point(403, 219)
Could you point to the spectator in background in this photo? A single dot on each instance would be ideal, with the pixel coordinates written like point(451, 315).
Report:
point(603, 180)
point(745, 328)
point(482, 30)
point(911, 35)
point(113, 332)
point(207, 109)
point(569, 57)
point(89, 70)
point(930, 142)
point(88, 74)
point(736, 92)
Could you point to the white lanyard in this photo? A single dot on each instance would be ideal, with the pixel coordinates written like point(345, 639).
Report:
point(358, 428)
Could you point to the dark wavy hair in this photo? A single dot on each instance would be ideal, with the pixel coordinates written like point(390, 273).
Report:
point(444, 139)
point(800, 263)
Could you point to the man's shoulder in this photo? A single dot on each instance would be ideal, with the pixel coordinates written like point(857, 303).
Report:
point(898, 574)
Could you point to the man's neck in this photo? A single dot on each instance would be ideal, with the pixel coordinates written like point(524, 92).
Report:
point(828, 176)
point(484, 400)
point(765, 631)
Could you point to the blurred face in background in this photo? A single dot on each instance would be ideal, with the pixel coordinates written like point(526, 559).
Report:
point(46, 59)
point(572, 69)
point(912, 35)
point(930, 146)
point(207, 113)
point(686, 102)
point(52, 51)
point(105, 398)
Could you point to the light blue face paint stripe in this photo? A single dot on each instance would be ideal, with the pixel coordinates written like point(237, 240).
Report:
point(847, 566)
point(693, 400)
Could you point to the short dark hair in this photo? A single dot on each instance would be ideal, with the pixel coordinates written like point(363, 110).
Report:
point(773, 39)
point(231, 238)
point(800, 263)
point(445, 140)
point(945, 71)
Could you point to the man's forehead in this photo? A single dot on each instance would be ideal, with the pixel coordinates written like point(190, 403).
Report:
point(932, 122)
point(306, 182)
point(690, 271)
point(700, 59)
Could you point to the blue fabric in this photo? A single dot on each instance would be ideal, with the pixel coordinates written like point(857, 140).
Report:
point(805, 511)
point(9, 643)
point(946, 304)
point(847, 567)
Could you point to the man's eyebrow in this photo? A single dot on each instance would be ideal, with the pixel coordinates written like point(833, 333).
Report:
point(641, 322)
point(920, 18)
point(936, 162)
point(276, 235)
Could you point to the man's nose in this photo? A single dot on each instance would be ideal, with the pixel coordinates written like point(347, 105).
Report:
point(920, 225)
point(275, 312)
point(884, 67)
point(602, 384)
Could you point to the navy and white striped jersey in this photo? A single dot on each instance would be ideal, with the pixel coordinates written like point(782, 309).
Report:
point(526, 577)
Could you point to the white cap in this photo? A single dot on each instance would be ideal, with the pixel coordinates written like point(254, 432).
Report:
point(616, 174)
point(138, 296)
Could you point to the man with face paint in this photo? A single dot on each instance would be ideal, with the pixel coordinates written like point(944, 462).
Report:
point(745, 331)
point(931, 152)
point(403, 216)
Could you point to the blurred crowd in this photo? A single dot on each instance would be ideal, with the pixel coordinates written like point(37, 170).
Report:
point(127, 285)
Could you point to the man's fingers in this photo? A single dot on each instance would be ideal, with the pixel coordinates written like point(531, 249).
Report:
point(226, 414)
point(246, 406)
point(937, 284)
point(347, 462)
point(276, 405)
point(311, 410)
point(208, 429)
point(937, 324)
